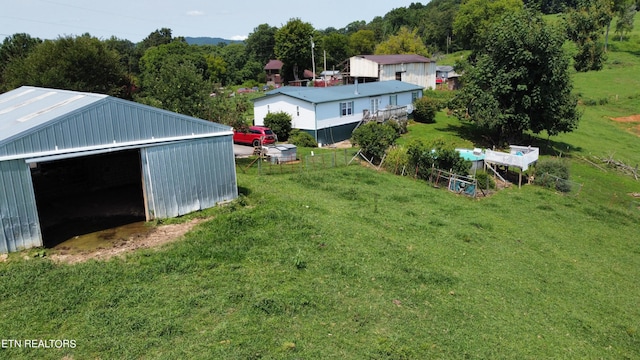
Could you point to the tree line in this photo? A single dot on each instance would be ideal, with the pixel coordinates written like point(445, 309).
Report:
point(166, 72)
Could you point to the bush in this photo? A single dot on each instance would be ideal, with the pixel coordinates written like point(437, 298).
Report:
point(553, 173)
point(397, 160)
point(485, 181)
point(399, 125)
point(280, 123)
point(302, 139)
point(426, 109)
point(374, 138)
point(425, 158)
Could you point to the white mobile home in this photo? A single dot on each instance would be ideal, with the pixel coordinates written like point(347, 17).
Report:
point(410, 68)
point(330, 114)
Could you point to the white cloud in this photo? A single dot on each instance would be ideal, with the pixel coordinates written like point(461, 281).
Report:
point(239, 37)
point(195, 13)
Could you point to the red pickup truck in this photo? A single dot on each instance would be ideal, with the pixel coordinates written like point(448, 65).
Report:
point(254, 136)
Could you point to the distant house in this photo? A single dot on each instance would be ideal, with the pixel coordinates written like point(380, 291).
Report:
point(410, 68)
point(330, 114)
point(273, 71)
point(331, 75)
point(447, 75)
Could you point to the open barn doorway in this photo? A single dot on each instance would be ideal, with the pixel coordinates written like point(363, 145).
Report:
point(86, 194)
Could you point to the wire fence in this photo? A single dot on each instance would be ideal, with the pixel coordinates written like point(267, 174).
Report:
point(562, 186)
point(287, 165)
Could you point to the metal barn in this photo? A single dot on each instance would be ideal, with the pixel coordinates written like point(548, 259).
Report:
point(72, 161)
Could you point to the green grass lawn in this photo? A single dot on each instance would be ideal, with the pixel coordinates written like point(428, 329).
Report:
point(352, 263)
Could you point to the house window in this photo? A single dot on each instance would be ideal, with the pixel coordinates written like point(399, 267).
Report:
point(393, 99)
point(375, 105)
point(399, 75)
point(298, 110)
point(414, 96)
point(346, 108)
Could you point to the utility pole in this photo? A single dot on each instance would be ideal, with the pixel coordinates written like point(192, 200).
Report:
point(313, 62)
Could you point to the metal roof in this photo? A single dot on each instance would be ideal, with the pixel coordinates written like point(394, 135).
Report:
point(445, 68)
point(51, 121)
point(396, 59)
point(274, 65)
point(343, 92)
point(28, 107)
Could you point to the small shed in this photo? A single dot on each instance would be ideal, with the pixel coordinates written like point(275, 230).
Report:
point(71, 161)
point(280, 153)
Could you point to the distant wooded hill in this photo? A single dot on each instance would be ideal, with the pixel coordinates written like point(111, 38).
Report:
point(209, 41)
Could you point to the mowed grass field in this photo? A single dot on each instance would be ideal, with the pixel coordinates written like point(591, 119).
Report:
point(352, 263)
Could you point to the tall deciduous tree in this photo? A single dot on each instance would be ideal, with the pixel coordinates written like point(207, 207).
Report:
point(337, 48)
point(176, 86)
point(80, 63)
point(585, 26)
point(476, 17)
point(405, 42)
point(362, 42)
point(626, 13)
point(520, 81)
point(15, 48)
point(293, 47)
point(261, 43)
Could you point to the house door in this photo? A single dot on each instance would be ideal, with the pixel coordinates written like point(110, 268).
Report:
point(375, 105)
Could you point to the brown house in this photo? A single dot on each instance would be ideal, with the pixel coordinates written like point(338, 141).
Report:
point(273, 70)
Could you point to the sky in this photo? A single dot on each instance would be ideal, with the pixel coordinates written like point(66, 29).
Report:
point(134, 20)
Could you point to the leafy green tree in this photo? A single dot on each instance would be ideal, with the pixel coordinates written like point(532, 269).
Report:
point(280, 123)
point(236, 58)
point(15, 48)
point(405, 42)
point(228, 110)
point(362, 42)
point(158, 37)
point(475, 18)
point(261, 43)
point(155, 58)
point(176, 86)
point(520, 81)
point(129, 60)
point(585, 26)
point(425, 109)
point(337, 48)
point(354, 27)
point(437, 155)
point(80, 63)
point(374, 139)
point(293, 47)
point(436, 25)
point(626, 15)
point(217, 68)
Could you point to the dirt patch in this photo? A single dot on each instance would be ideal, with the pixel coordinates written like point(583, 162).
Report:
point(159, 236)
point(627, 119)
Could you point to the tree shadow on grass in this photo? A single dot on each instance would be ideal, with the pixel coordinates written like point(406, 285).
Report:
point(470, 132)
point(552, 147)
point(482, 139)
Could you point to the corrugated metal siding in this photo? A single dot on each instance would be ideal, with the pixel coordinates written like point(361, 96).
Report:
point(18, 212)
point(188, 176)
point(104, 122)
